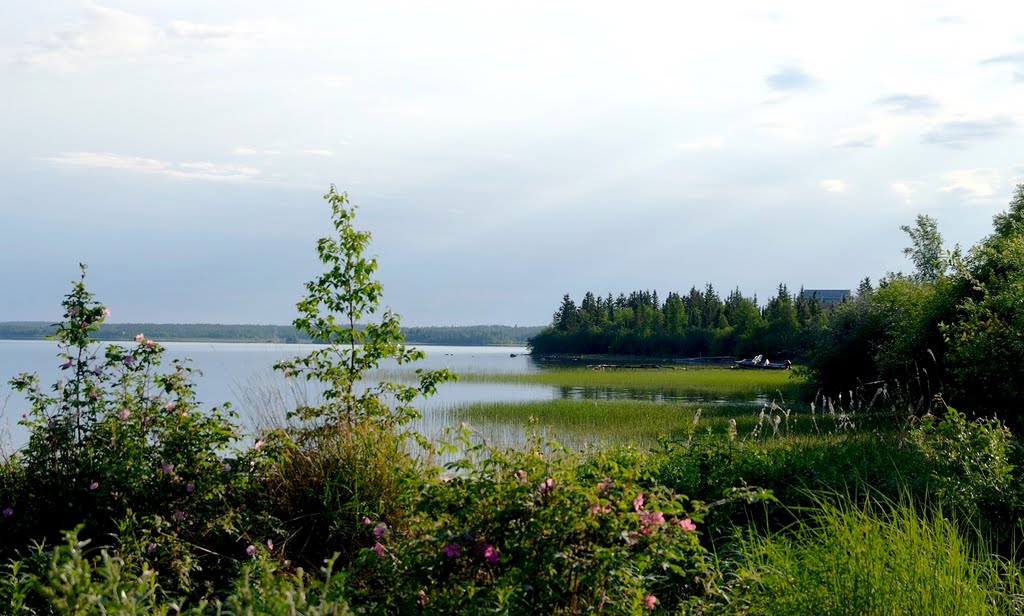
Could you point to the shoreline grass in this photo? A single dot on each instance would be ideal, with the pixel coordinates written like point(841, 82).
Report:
point(719, 380)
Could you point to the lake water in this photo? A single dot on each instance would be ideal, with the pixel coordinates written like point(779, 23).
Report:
point(242, 374)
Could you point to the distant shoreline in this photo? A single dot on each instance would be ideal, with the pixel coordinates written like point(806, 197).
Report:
point(468, 335)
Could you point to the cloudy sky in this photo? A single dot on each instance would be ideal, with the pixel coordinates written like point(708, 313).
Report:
point(502, 154)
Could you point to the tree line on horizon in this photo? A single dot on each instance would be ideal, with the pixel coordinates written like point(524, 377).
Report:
point(697, 324)
point(468, 335)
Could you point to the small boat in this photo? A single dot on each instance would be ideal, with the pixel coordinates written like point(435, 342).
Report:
point(762, 363)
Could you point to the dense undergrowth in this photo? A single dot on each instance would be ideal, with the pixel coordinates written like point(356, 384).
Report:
point(131, 499)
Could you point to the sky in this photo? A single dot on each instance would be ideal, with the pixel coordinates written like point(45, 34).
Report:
point(501, 154)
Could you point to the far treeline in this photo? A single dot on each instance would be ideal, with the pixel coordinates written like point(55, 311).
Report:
point(471, 335)
point(954, 327)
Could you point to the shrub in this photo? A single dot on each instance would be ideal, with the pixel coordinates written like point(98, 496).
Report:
point(120, 446)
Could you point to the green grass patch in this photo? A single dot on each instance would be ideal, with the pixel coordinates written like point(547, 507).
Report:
point(720, 381)
point(869, 559)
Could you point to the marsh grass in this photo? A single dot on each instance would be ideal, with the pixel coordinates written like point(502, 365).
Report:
point(877, 557)
point(719, 380)
point(645, 422)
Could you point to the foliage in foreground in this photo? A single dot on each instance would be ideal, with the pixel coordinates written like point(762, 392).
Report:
point(178, 521)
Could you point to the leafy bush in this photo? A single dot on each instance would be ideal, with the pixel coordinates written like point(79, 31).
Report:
point(540, 530)
point(346, 458)
point(121, 447)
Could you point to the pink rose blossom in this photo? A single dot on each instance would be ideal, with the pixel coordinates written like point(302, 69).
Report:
point(179, 515)
point(169, 407)
point(638, 502)
point(367, 521)
point(250, 550)
point(270, 544)
point(106, 312)
point(605, 485)
point(151, 548)
point(139, 337)
point(452, 550)
point(259, 445)
point(167, 468)
point(378, 548)
point(650, 601)
point(124, 414)
point(521, 476)
point(650, 521)
point(491, 554)
point(94, 486)
point(150, 344)
point(687, 525)
point(547, 485)
point(422, 598)
point(380, 530)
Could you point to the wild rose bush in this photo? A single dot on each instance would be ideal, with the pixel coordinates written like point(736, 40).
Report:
point(535, 532)
point(121, 446)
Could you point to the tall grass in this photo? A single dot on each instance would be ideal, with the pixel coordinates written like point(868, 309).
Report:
point(889, 558)
point(718, 380)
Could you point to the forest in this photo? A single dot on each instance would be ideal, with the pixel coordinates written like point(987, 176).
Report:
point(953, 326)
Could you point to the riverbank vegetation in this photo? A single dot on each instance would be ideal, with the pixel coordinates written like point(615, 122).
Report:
point(130, 498)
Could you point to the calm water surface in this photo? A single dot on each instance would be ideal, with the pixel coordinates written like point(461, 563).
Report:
point(242, 374)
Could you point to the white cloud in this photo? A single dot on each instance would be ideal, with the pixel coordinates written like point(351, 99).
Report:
point(101, 33)
point(317, 152)
point(833, 185)
point(904, 190)
point(136, 164)
point(973, 183)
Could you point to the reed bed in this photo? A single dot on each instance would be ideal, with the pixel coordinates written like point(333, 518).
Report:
point(718, 380)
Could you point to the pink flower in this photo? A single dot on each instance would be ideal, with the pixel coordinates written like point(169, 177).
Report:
point(270, 544)
point(259, 445)
point(367, 521)
point(650, 521)
point(638, 502)
point(124, 414)
point(491, 554)
point(179, 515)
point(687, 525)
point(151, 548)
point(378, 548)
point(150, 344)
point(452, 550)
point(521, 476)
point(139, 337)
point(8, 512)
point(422, 598)
point(94, 393)
point(169, 407)
point(93, 486)
point(605, 485)
point(547, 485)
point(73, 310)
point(380, 530)
point(129, 360)
point(106, 312)
point(67, 364)
point(250, 550)
point(226, 467)
point(166, 468)
point(650, 601)
point(190, 487)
